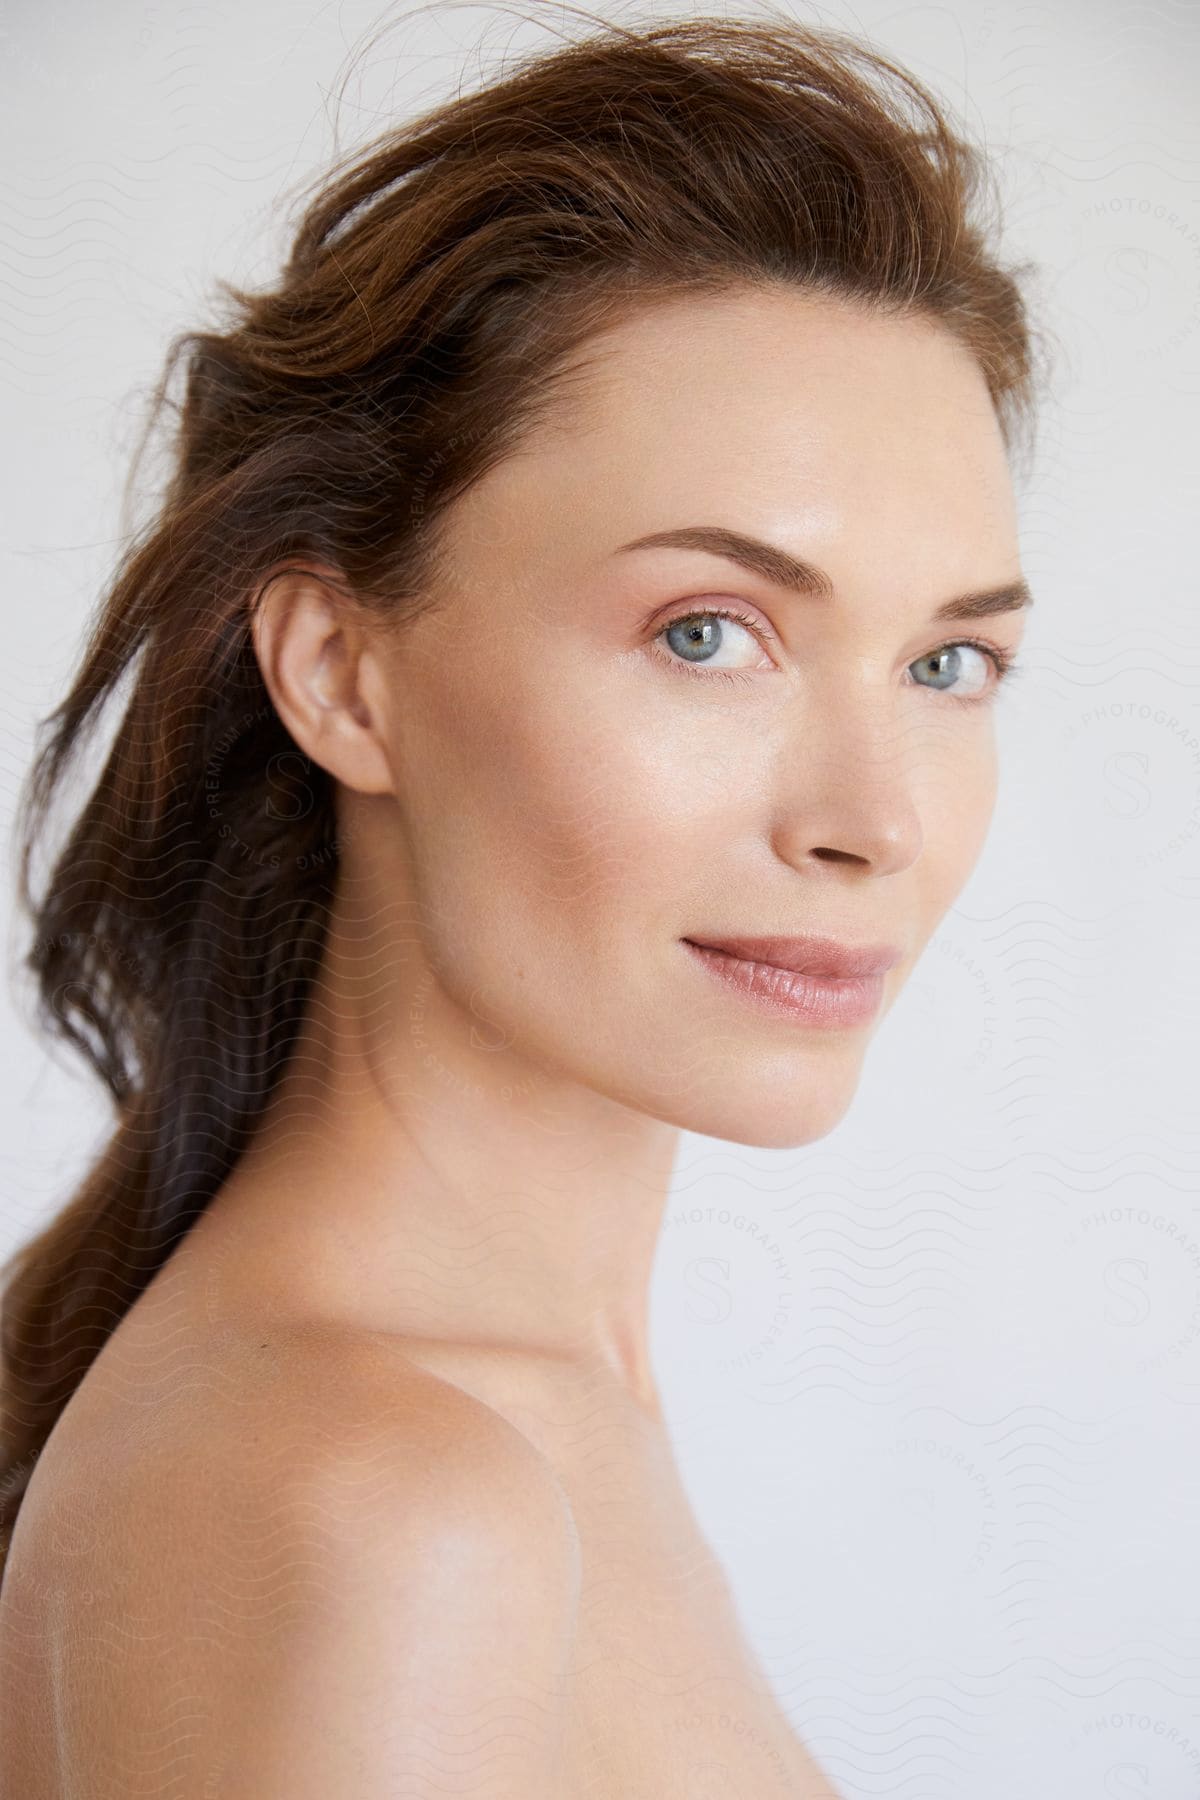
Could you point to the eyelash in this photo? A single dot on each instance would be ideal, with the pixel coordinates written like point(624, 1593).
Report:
point(1005, 662)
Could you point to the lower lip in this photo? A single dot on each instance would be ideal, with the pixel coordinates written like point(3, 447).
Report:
point(810, 999)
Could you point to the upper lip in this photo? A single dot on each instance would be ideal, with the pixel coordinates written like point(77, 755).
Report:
point(808, 955)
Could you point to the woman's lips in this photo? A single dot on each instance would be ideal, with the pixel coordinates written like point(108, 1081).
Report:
point(807, 955)
point(813, 995)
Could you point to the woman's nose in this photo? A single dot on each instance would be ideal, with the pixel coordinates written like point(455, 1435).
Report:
point(852, 795)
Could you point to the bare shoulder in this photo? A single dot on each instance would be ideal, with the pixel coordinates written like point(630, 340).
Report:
point(318, 1417)
point(358, 1421)
point(350, 1575)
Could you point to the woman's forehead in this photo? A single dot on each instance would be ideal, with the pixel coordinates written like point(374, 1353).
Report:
point(812, 402)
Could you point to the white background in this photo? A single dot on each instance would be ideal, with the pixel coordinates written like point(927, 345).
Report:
point(934, 1381)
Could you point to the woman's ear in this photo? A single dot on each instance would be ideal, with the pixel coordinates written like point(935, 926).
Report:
point(318, 657)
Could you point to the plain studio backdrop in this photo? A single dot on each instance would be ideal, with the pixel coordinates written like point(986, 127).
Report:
point(934, 1381)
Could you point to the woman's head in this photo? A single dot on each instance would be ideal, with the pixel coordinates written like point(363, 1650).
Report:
point(544, 785)
point(707, 273)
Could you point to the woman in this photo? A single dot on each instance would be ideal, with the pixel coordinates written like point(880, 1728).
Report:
point(557, 713)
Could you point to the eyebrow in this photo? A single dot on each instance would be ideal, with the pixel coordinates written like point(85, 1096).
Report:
point(784, 570)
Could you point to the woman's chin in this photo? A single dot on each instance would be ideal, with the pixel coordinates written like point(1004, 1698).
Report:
point(773, 1120)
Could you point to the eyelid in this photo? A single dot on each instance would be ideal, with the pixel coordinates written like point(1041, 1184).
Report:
point(729, 604)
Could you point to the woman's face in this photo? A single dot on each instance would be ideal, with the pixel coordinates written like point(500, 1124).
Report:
point(579, 791)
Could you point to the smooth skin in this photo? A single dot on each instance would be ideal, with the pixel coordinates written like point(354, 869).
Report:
point(468, 1159)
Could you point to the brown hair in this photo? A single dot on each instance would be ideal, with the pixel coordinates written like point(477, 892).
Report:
point(440, 288)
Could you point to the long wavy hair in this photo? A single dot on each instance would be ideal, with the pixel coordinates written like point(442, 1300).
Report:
point(440, 289)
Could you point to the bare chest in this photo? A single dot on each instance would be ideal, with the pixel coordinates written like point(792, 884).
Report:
point(667, 1701)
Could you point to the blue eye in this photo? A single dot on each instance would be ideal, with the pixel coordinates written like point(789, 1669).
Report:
point(694, 638)
point(946, 664)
